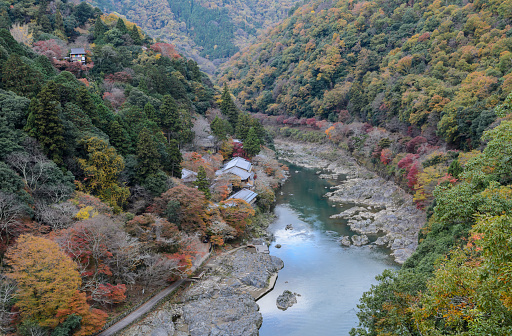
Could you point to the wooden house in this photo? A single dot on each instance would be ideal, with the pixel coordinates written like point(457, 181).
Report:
point(77, 55)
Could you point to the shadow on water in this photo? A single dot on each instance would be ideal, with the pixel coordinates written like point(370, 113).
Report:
point(330, 278)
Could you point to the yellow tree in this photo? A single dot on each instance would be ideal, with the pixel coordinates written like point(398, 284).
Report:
point(102, 168)
point(48, 282)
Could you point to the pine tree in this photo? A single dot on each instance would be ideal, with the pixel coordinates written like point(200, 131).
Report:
point(202, 182)
point(134, 34)
point(85, 102)
point(150, 112)
point(252, 143)
point(9, 138)
point(5, 20)
point(122, 26)
point(44, 124)
point(20, 78)
point(220, 128)
point(99, 29)
point(169, 117)
point(119, 138)
point(59, 22)
point(228, 107)
point(455, 169)
point(174, 158)
point(148, 158)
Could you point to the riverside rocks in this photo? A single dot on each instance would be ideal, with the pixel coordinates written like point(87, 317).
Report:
point(360, 240)
point(220, 305)
point(286, 300)
point(380, 206)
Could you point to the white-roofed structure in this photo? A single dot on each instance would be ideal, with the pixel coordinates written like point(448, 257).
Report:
point(245, 195)
point(241, 168)
point(77, 55)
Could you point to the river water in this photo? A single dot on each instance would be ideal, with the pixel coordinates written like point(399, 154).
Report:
point(330, 278)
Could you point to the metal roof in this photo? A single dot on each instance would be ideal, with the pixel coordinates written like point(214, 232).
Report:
point(77, 51)
point(240, 163)
point(245, 195)
point(243, 174)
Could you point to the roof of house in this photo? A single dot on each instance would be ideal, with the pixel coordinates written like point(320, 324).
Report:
point(185, 173)
point(243, 174)
point(77, 51)
point(245, 194)
point(240, 163)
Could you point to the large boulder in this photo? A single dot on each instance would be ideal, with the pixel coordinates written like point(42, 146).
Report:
point(286, 300)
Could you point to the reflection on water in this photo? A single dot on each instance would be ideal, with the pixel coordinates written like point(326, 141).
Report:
point(329, 277)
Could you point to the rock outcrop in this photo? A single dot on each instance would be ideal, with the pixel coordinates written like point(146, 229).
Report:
point(286, 300)
point(380, 206)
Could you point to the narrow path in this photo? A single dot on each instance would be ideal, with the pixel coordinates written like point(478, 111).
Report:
point(141, 311)
point(146, 307)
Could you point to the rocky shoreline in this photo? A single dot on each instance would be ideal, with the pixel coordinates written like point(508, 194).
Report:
point(381, 207)
point(222, 303)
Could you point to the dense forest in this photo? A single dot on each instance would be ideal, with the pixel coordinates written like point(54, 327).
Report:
point(92, 208)
point(420, 92)
point(208, 31)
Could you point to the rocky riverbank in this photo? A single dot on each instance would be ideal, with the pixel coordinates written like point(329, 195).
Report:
point(221, 304)
point(381, 206)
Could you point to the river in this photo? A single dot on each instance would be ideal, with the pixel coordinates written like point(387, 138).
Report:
point(330, 278)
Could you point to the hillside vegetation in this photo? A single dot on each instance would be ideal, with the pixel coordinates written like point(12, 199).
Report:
point(207, 30)
point(437, 66)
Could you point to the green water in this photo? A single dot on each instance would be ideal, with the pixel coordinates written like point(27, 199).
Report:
point(330, 278)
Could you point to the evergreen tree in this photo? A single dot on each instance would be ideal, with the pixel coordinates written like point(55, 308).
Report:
point(148, 158)
point(99, 29)
point(9, 138)
point(119, 138)
point(59, 22)
point(252, 143)
point(87, 105)
point(228, 107)
point(220, 128)
point(202, 183)
point(243, 125)
point(170, 119)
point(20, 78)
point(44, 124)
point(173, 164)
point(150, 112)
point(134, 34)
point(455, 169)
point(5, 20)
point(122, 26)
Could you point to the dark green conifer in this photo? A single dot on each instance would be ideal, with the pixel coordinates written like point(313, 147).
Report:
point(148, 158)
point(59, 22)
point(455, 169)
point(170, 119)
point(252, 143)
point(44, 124)
point(150, 112)
point(122, 26)
point(5, 20)
point(87, 105)
point(202, 182)
point(9, 138)
point(20, 78)
point(134, 34)
point(220, 128)
point(99, 29)
point(228, 107)
point(119, 138)
point(173, 160)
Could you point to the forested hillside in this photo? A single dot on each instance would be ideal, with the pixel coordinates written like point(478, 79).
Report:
point(94, 119)
point(209, 31)
point(437, 66)
point(419, 91)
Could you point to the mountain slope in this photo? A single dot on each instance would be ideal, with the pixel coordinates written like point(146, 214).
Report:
point(208, 31)
point(439, 67)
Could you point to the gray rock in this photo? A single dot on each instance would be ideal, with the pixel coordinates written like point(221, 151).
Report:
point(286, 300)
point(278, 246)
point(289, 227)
point(345, 241)
point(158, 323)
point(360, 240)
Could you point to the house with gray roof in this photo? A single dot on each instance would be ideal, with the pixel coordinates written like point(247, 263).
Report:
point(245, 195)
point(77, 55)
point(240, 167)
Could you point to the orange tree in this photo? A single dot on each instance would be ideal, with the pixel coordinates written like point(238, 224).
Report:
point(237, 213)
point(48, 282)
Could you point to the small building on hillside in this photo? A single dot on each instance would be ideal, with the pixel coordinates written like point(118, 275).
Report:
point(245, 195)
point(188, 175)
point(241, 168)
point(77, 55)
